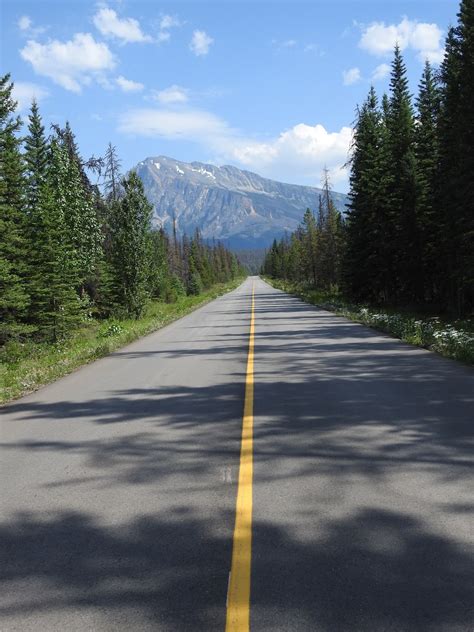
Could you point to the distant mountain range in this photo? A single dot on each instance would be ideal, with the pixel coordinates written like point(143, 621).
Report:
point(238, 207)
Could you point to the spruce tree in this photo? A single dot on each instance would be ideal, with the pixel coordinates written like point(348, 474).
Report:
point(403, 189)
point(112, 174)
point(36, 156)
point(55, 306)
point(427, 156)
point(159, 275)
point(449, 179)
point(329, 239)
point(80, 212)
point(130, 232)
point(14, 297)
point(361, 260)
point(310, 249)
point(466, 120)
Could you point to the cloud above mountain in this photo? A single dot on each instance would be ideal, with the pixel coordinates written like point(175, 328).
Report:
point(301, 152)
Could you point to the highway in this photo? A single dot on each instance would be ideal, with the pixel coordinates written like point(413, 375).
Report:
point(122, 508)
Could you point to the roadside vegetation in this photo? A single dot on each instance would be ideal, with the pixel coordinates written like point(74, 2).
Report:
point(402, 257)
point(25, 366)
point(450, 338)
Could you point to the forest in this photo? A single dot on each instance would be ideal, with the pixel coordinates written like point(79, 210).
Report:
point(71, 250)
point(406, 241)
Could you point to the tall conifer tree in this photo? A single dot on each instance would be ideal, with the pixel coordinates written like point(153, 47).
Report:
point(403, 189)
point(14, 297)
point(130, 230)
point(36, 157)
point(55, 307)
point(427, 156)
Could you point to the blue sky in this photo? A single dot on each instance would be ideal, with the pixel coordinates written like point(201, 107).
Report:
point(268, 86)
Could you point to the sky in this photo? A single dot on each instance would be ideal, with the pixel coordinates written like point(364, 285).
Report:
point(271, 87)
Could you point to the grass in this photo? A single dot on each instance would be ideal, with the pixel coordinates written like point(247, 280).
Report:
point(449, 338)
point(24, 367)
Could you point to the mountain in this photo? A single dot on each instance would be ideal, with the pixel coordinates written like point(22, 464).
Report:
point(238, 207)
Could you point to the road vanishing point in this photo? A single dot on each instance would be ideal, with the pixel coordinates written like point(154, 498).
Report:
point(258, 465)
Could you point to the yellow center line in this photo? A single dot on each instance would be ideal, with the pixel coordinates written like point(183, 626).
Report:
point(238, 597)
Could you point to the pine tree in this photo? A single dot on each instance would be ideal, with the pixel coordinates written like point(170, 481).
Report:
point(55, 306)
point(76, 196)
point(130, 230)
point(449, 180)
point(310, 249)
point(14, 297)
point(466, 112)
point(36, 156)
point(362, 260)
point(427, 156)
point(403, 189)
point(112, 174)
point(329, 239)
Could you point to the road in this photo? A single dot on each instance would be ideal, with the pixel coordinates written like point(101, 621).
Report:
point(119, 482)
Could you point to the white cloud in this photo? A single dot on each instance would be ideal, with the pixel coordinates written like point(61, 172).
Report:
point(433, 56)
point(169, 21)
point(380, 39)
point(381, 72)
point(200, 43)
point(297, 154)
point(124, 29)
point(25, 92)
point(24, 23)
point(127, 85)
point(195, 125)
point(290, 43)
point(351, 76)
point(173, 94)
point(70, 64)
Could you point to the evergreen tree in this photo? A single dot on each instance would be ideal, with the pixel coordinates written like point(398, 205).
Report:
point(36, 157)
point(112, 174)
point(14, 297)
point(362, 260)
point(55, 306)
point(455, 191)
point(330, 239)
point(449, 178)
point(466, 112)
point(310, 249)
point(80, 212)
point(159, 276)
point(130, 231)
point(427, 156)
point(405, 282)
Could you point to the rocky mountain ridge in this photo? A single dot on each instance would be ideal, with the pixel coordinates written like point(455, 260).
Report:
point(239, 207)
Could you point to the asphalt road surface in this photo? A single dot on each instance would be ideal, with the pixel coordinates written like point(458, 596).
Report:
point(119, 481)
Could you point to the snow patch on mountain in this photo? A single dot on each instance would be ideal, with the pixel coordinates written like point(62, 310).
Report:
point(204, 172)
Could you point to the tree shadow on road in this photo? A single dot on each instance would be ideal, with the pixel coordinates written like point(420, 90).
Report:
point(374, 570)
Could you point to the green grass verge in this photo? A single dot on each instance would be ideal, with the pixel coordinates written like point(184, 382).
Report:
point(450, 338)
point(26, 367)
